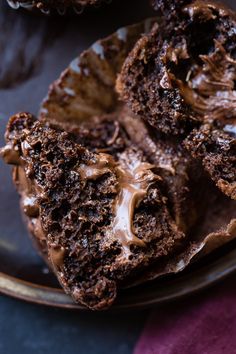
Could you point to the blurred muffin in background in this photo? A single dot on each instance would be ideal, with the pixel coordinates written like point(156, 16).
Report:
point(61, 6)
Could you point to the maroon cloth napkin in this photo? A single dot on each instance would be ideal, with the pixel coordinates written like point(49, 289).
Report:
point(205, 324)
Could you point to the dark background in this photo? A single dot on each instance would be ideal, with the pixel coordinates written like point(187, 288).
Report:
point(33, 52)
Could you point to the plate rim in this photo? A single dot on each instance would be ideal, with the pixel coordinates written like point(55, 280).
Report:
point(55, 297)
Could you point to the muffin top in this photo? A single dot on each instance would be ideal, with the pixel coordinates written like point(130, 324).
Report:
point(182, 73)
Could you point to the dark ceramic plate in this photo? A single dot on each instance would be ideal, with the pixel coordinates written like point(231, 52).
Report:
point(22, 273)
point(26, 278)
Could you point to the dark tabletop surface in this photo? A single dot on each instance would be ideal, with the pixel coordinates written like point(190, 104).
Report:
point(33, 51)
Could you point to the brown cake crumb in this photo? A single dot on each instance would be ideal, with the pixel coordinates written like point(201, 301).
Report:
point(104, 216)
point(217, 151)
point(183, 72)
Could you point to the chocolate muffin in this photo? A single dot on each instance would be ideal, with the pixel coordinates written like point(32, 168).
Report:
point(182, 75)
point(46, 5)
point(104, 214)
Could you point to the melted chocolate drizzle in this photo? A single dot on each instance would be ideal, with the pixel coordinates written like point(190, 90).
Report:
point(133, 181)
point(209, 85)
